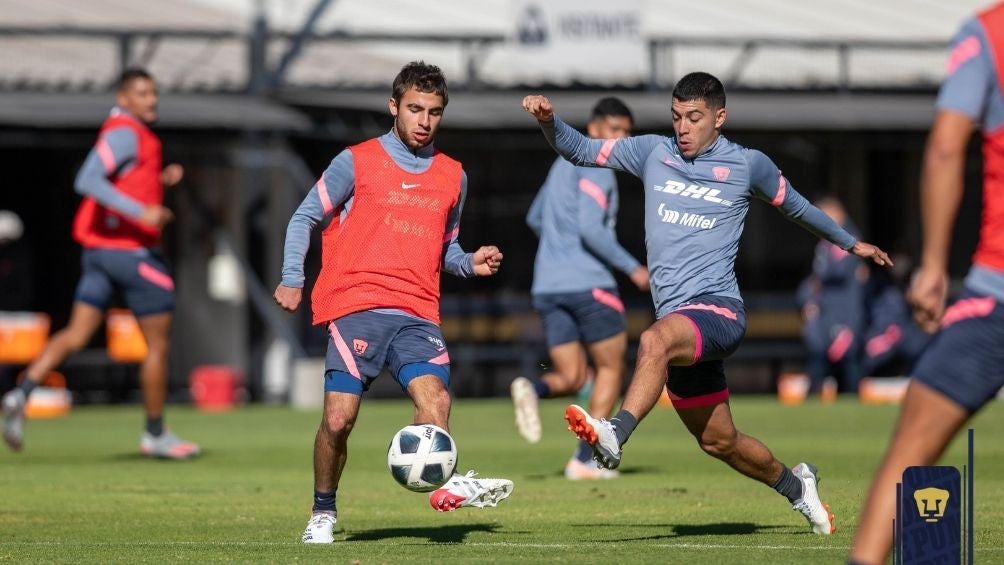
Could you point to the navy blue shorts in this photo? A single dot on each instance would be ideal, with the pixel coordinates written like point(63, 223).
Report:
point(360, 344)
point(588, 316)
point(719, 325)
point(965, 361)
point(140, 275)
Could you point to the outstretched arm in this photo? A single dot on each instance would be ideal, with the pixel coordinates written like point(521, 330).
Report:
point(625, 154)
point(328, 195)
point(770, 185)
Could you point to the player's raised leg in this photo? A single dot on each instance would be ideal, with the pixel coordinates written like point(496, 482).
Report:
point(432, 406)
point(608, 355)
point(669, 339)
point(84, 321)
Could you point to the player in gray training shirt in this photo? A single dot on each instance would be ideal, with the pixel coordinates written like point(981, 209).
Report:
point(698, 186)
point(574, 292)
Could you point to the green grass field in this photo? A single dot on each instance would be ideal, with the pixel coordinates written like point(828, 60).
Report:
point(81, 493)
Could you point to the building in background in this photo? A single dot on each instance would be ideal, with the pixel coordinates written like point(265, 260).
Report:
point(257, 95)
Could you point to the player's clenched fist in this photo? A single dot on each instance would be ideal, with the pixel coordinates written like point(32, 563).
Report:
point(487, 260)
point(288, 297)
point(540, 107)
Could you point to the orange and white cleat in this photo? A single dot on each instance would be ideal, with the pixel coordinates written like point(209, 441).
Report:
point(598, 433)
point(465, 490)
point(821, 520)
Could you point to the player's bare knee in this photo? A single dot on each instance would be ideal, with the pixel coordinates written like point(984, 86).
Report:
point(718, 446)
point(653, 345)
point(337, 425)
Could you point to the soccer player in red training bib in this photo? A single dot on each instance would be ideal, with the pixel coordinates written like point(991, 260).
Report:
point(395, 204)
point(118, 224)
point(963, 367)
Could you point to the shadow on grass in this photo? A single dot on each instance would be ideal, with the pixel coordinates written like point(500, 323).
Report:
point(442, 534)
point(672, 531)
point(137, 456)
point(623, 470)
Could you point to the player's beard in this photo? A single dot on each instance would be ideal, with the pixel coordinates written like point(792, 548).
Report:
point(407, 136)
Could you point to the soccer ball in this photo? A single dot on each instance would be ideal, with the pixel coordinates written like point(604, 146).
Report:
point(422, 457)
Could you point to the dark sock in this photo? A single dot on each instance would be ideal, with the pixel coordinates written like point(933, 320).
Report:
point(324, 501)
point(624, 423)
point(155, 426)
point(583, 452)
point(789, 485)
point(543, 391)
point(27, 385)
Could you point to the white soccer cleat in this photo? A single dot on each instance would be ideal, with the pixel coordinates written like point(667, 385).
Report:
point(13, 418)
point(320, 528)
point(576, 470)
point(167, 446)
point(524, 400)
point(599, 434)
point(465, 490)
point(817, 513)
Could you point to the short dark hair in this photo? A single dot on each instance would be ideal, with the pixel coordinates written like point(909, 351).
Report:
point(611, 106)
point(426, 78)
point(700, 86)
point(130, 75)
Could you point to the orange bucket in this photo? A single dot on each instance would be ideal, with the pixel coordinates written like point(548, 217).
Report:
point(215, 388)
point(792, 388)
point(23, 336)
point(882, 390)
point(125, 340)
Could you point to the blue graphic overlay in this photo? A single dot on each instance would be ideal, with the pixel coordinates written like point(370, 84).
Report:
point(930, 516)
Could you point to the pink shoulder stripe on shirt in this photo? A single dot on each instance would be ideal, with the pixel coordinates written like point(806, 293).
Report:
point(106, 155)
point(964, 51)
point(594, 191)
point(782, 187)
point(605, 150)
point(322, 193)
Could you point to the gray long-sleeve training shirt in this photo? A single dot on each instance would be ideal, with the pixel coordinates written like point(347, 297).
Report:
point(694, 209)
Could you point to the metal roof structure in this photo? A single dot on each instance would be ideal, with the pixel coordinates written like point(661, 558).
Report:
point(341, 53)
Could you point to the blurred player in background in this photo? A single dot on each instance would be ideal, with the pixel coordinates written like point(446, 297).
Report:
point(961, 370)
point(395, 205)
point(834, 307)
point(119, 225)
point(574, 215)
point(698, 187)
